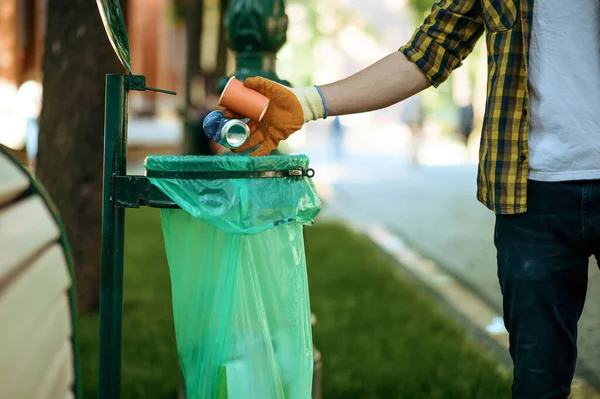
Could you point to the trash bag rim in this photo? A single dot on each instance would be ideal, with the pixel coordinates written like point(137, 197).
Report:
point(216, 163)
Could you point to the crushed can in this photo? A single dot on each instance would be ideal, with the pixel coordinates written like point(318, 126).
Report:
point(230, 133)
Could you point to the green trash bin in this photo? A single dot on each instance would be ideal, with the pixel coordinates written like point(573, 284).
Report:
point(238, 272)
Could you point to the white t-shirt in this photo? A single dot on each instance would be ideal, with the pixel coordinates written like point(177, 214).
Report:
point(564, 90)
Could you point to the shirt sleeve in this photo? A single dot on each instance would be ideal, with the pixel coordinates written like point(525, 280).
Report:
point(446, 37)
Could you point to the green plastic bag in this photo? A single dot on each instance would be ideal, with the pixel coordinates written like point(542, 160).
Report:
point(238, 275)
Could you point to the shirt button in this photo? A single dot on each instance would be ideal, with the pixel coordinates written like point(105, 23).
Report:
point(522, 157)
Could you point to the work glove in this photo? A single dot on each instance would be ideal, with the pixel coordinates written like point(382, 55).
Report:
point(289, 109)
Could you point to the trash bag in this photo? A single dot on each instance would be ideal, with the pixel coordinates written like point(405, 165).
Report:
point(238, 273)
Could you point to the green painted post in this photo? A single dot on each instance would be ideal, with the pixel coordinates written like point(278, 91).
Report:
point(113, 217)
point(257, 29)
point(111, 290)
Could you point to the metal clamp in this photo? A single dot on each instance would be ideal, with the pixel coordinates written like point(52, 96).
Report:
point(301, 172)
point(298, 173)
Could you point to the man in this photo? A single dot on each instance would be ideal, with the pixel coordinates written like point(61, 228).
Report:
point(539, 167)
point(336, 134)
point(466, 114)
point(28, 104)
point(413, 116)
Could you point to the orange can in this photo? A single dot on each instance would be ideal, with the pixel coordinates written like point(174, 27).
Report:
point(247, 102)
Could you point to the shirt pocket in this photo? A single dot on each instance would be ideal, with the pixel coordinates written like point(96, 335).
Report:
point(499, 15)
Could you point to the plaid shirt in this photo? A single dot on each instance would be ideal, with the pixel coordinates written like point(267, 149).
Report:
point(438, 46)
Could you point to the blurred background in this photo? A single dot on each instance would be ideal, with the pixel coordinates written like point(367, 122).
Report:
point(325, 42)
point(409, 170)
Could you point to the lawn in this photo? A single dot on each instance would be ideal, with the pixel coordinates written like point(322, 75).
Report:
point(150, 364)
point(380, 335)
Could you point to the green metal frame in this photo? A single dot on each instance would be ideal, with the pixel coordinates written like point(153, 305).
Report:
point(134, 191)
point(119, 191)
point(113, 226)
point(36, 188)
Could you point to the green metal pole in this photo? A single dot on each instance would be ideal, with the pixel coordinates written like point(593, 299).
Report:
point(111, 291)
point(257, 29)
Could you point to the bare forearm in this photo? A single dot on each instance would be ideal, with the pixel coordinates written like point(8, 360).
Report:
point(390, 80)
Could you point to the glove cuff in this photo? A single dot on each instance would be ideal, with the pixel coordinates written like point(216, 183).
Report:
point(312, 101)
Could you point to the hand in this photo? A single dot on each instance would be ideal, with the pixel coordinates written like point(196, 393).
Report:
point(286, 115)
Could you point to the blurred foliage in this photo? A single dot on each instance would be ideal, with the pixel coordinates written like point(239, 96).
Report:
point(304, 57)
point(439, 105)
point(439, 102)
point(421, 8)
point(175, 12)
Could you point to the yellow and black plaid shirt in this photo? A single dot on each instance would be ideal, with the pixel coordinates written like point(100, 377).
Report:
point(438, 46)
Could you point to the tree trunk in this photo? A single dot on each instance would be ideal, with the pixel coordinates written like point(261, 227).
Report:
point(77, 57)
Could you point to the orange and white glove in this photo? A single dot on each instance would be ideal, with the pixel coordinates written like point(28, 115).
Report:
point(289, 109)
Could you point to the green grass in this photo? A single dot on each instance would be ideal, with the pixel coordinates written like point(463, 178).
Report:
point(380, 336)
point(150, 365)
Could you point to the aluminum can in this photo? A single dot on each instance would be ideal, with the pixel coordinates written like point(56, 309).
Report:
point(230, 133)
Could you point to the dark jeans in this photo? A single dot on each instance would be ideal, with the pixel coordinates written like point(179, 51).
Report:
point(543, 259)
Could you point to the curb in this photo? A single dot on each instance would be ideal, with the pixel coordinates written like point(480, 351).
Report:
point(456, 295)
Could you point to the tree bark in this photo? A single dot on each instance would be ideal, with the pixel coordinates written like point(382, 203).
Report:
point(77, 57)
